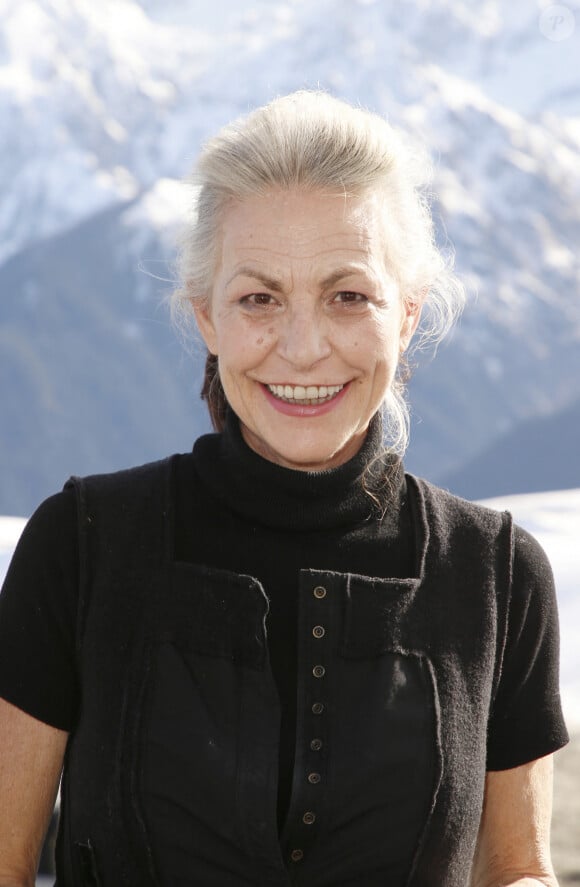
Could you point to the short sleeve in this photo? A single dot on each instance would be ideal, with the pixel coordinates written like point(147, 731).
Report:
point(38, 607)
point(526, 719)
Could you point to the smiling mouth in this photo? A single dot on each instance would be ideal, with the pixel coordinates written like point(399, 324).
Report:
point(308, 395)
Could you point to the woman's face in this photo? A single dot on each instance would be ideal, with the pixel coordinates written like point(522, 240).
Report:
point(307, 323)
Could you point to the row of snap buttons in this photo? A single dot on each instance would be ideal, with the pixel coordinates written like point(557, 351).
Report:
point(316, 744)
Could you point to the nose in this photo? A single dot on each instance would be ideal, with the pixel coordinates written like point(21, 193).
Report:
point(303, 338)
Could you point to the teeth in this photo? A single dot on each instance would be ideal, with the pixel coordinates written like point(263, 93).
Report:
point(306, 395)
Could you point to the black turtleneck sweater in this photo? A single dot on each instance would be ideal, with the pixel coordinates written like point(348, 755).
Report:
point(270, 522)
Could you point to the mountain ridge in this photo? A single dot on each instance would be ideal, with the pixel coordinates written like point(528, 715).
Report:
point(105, 108)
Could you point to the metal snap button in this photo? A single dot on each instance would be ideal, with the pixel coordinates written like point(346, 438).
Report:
point(320, 592)
point(319, 671)
point(317, 708)
point(316, 744)
point(318, 631)
point(314, 778)
point(297, 855)
point(309, 818)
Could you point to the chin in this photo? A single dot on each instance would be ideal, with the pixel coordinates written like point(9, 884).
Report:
point(315, 458)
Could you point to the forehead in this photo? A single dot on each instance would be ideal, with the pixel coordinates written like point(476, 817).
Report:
point(302, 224)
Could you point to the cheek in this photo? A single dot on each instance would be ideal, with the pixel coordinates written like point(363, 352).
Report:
point(377, 346)
point(264, 339)
point(242, 349)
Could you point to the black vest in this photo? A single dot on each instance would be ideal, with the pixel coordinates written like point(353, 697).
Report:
point(405, 664)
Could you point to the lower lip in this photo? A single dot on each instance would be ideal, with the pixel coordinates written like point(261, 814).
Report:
point(304, 411)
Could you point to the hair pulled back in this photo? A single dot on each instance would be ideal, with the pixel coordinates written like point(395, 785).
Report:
point(311, 140)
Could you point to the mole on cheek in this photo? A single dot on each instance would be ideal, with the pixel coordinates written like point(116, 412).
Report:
point(260, 341)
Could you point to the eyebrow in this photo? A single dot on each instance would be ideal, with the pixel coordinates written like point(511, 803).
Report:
point(341, 273)
point(275, 285)
point(247, 271)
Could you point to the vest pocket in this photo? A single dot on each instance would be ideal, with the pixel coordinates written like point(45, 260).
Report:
point(202, 642)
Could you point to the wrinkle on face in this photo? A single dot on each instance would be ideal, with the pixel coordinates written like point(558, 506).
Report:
point(305, 248)
point(278, 317)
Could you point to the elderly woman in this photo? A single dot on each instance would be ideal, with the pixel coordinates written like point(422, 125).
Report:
point(278, 659)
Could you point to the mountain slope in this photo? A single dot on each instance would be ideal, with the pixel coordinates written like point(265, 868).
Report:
point(540, 454)
point(100, 102)
point(92, 377)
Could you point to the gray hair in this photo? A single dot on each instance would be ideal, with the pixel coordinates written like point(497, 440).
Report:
point(310, 139)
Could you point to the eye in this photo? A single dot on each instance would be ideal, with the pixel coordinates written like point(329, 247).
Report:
point(258, 300)
point(349, 297)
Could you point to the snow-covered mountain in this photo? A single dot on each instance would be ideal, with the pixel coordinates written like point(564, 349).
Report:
point(99, 102)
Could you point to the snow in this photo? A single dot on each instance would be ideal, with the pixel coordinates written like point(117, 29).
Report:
point(553, 518)
point(108, 104)
point(137, 85)
point(10, 530)
point(161, 208)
